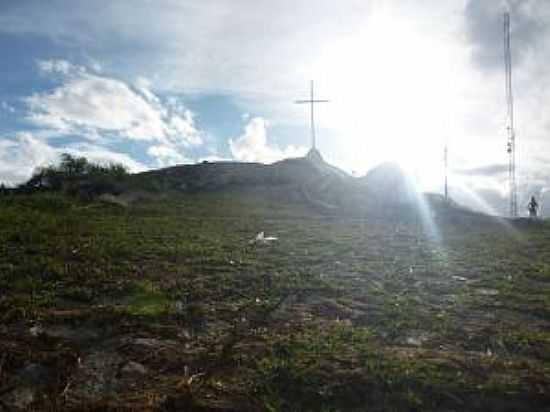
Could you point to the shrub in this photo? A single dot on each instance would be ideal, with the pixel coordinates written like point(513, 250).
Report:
point(78, 176)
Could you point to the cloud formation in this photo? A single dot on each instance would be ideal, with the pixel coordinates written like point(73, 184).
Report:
point(166, 155)
point(20, 156)
point(484, 29)
point(101, 108)
point(252, 145)
point(89, 101)
point(57, 66)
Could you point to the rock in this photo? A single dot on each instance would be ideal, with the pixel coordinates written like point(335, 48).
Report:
point(71, 334)
point(20, 398)
point(154, 343)
point(95, 378)
point(34, 375)
point(414, 341)
point(180, 307)
point(133, 368)
point(29, 381)
point(185, 334)
point(487, 292)
point(64, 332)
point(149, 342)
point(416, 338)
point(112, 199)
point(36, 330)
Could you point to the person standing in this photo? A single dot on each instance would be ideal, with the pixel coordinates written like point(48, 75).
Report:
point(533, 208)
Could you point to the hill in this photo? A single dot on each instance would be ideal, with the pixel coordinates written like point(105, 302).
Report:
point(385, 191)
point(208, 176)
point(289, 179)
point(175, 304)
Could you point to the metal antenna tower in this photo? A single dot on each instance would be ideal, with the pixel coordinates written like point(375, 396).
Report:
point(511, 145)
point(311, 101)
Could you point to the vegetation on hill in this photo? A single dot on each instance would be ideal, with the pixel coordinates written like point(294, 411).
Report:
point(171, 305)
point(78, 176)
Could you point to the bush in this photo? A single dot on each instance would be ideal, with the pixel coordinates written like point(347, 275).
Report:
point(79, 177)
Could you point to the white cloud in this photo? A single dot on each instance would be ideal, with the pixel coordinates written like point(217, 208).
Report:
point(252, 145)
point(98, 107)
point(20, 157)
point(166, 155)
point(90, 101)
point(143, 85)
point(56, 66)
point(7, 107)
point(181, 122)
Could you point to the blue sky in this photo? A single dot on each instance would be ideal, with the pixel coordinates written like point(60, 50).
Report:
point(66, 90)
point(157, 83)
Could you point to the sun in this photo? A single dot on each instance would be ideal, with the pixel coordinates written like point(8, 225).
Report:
point(394, 97)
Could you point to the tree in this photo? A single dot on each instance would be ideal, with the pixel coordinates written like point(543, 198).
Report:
point(74, 166)
point(77, 176)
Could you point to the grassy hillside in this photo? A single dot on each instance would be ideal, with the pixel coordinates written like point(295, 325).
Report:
point(168, 305)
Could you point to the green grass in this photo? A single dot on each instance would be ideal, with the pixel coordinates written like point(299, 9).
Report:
point(145, 298)
point(337, 314)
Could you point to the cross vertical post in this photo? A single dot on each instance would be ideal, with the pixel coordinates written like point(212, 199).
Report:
point(312, 120)
point(312, 102)
point(446, 161)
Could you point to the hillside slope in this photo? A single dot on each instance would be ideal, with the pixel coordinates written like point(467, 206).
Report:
point(171, 305)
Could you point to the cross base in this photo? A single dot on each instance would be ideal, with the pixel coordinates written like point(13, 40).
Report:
point(314, 155)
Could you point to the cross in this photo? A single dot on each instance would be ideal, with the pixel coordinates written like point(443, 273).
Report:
point(311, 101)
point(446, 161)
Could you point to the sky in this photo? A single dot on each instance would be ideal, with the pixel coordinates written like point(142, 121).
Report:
point(154, 83)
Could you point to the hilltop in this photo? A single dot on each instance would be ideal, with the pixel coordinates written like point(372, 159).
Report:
point(311, 181)
point(208, 176)
point(174, 303)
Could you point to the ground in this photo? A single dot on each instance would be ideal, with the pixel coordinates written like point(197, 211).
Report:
point(171, 305)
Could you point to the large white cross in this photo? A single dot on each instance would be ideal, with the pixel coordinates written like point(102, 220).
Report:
point(311, 101)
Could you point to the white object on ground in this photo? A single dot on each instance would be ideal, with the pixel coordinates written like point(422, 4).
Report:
point(261, 238)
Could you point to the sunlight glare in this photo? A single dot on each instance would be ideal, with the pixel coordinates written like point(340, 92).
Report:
point(395, 97)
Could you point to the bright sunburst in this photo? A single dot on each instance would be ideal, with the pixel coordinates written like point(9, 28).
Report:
point(394, 97)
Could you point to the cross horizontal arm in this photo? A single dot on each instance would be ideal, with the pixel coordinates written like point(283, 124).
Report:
point(311, 101)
